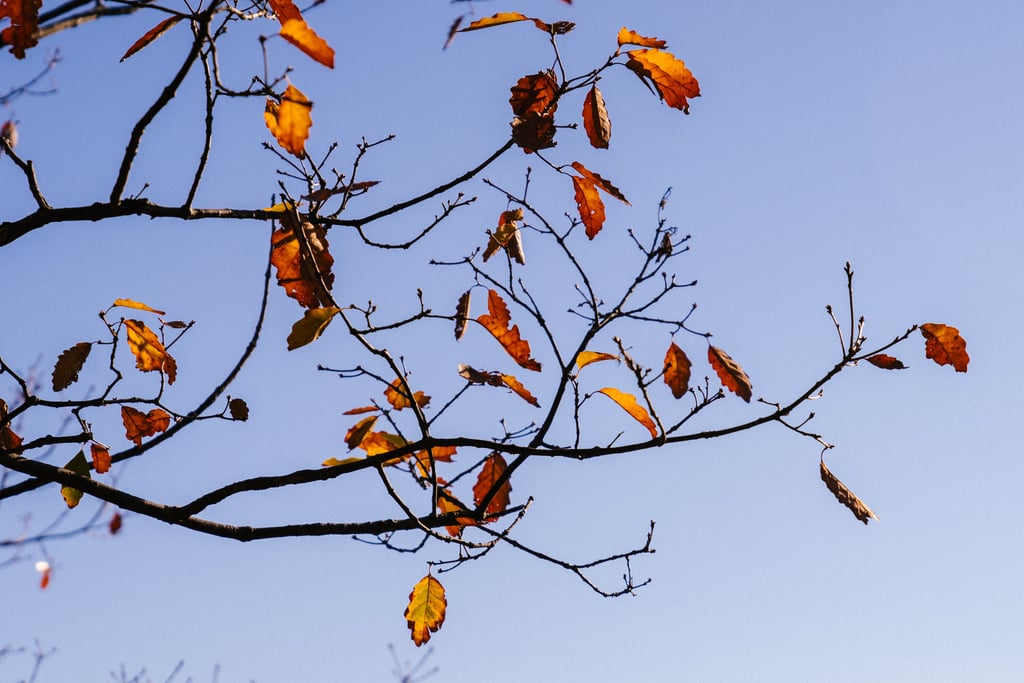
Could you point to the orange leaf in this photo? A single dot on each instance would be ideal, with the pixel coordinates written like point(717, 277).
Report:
point(585, 358)
point(672, 80)
point(138, 305)
point(285, 10)
point(399, 399)
point(677, 370)
point(886, 362)
point(360, 411)
point(496, 321)
point(357, 433)
point(24, 16)
point(462, 315)
point(298, 33)
point(730, 373)
point(590, 206)
point(289, 122)
point(628, 403)
point(490, 473)
point(69, 364)
point(313, 323)
point(138, 424)
point(846, 496)
point(425, 612)
point(945, 346)
point(630, 37)
point(595, 119)
point(601, 183)
point(100, 458)
point(514, 384)
point(376, 443)
point(535, 93)
point(151, 35)
point(496, 20)
point(439, 454)
point(149, 352)
point(303, 274)
point(446, 505)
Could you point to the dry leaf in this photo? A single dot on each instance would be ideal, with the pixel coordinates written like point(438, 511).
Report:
point(289, 122)
point(589, 204)
point(298, 33)
point(305, 276)
point(313, 323)
point(355, 436)
point(672, 80)
point(535, 94)
point(100, 457)
point(496, 20)
point(238, 409)
point(507, 237)
point(595, 119)
point(677, 370)
point(945, 346)
point(534, 131)
point(360, 411)
point(138, 424)
point(629, 37)
point(149, 352)
point(585, 358)
point(515, 385)
point(730, 373)
point(128, 303)
point(629, 403)
point(24, 16)
point(69, 364)
point(426, 609)
point(490, 474)
point(496, 321)
point(462, 315)
point(600, 182)
point(886, 362)
point(399, 399)
point(151, 35)
point(446, 504)
point(115, 523)
point(846, 496)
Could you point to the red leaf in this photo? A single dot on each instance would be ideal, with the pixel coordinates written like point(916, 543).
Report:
point(151, 35)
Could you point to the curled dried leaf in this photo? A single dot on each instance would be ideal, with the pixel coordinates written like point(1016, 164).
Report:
point(138, 424)
point(730, 373)
point(536, 93)
point(69, 364)
point(313, 323)
point(496, 321)
point(462, 315)
point(672, 81)
point(149, 351)
point(845, 496)
point(585, 358)
point(151, 35)
point(677, 370)
point(886, 362)
point(399, 398)
point(357, 433)
point(595, 119)
point(630, 37)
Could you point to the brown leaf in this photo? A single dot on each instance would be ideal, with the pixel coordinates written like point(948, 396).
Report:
point(488, 478)
point(474, 376)
point(303, 274)
point(534, 131)
point(677, 370)
point(496, 321)
point(589, 204)
point(298, 33)
point(730, 373)
point(100, 457)
point(360, 411)
point(601, 183)
point(452, 30)
point(238, 409)
point(629, 37)
point(151, 35)
point(507, 237)
point(115, 523)
point(8, 133)
point(945, 346)
point(629, 403)
point(462, 315)
point(846, 496)
point(536, 93)
point(149, 352)
point(426, 610)
point(672, 80)
point(24, 16)
point(138, 424)
point(399, 399)
point(289, 122)
point(595, 119)
point(886, 362)
point(69, 364)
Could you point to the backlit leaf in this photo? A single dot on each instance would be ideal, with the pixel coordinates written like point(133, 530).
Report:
point(589, 204)
point(730, 373)
point(238, 409)
point(361, 410)
point(630, 37)
point(446, 505)
point(285, 10)
point(69, 364)
point(945, 346)
point(24, 16)
point(358, 432)
point(535, 93)
point(671, 79)
point(138, 424)
point(490, 474)
point(846, 496)
point(289, 121)
point(496, 20)
point(399, 399)
point(629, 403)
point(886, 362)
point(516, 386)
point(601, 183)
point(305, 274)
point(585, 358)
point(149, 352)
point(534, 131)
point(507, 236)
point(78, 465)
point(100, 457)
point(437, 454)
point(298, 33)
point(426, 609)
point(128, 303)
point(151, 35)
point(314, 321)
point(9, 441)
point(677, 370)
point(595, 119)
point(496, 321)
point(462, 315)
point(376, 443)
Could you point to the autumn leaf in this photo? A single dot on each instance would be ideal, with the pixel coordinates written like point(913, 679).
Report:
point(399, 398)
point(535, 93)
point(496, 20)
point(314, 321)
point(945, 346)
point(305, 274)
point(45, 572)
point(298, 33)
point(78, 465)
point(149, 352)
point(585, 358)
point(138, 305)
point(331, 462)
point(730, 373)
point(425, 613)
point(115, 523)
point(354, 437)
point(496, 321)
point(517, 387)
point(361, 410)
point(151, 35)
point(507, 237)
point(589, 204)
point(284, 10)
point(672, 80)
point(238, 409)
point(452, 30)
point(629, 37)
point(289, 121)
point(534, 131)
point(69, 364)
point(435, 454)
point(474, 376)
point(462, 315)
point(100, 457)
point(629, 403)
point(8, 133)
point(376, 443)
point(846, 496)
point(677, 370)
point(490, 474)
point(138, 424)
point(886, 362)
point(595, 119)
point(24, 16)
point(601, 183)
point(9, 441)
point(446, 505)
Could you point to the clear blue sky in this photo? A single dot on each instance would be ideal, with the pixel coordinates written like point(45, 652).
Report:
point(887, 133)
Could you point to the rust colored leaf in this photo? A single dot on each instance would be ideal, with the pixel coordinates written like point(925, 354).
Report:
point(149, 352)
point(536, 93)
point(630, 37)
point(115, 523)
point(314, 321)
point(24, 16)
point(945, 346)
point(629, 403)
point(138, 424)
point(285, 10)
point(426, 609)
point(590, 205)
point(151, 35)
point(534, 131)
point(730, 373)
point(496, 20)
point(360, 411)
point(355, 436)
point(289, 121)
point(677, 370)
point(507, 237)
point(100, 457)
point(846, 496)
point(600, 182)
point(69, 364)
point(496, 321)
point(886, 362)
point(238, 409)
point(595, 119)
point(298, 33)
point(462, 315)
point(45, 571)
point(138, 305)
point(446, 503)
point(305, 274)
point(399, 399)
point(585, 358)
point(516, 386)
point(78, 465)
point(490, 474)
point(9, 441)
point(672, 80)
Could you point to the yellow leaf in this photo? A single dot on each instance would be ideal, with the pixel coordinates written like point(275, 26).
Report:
point(426, 609)
point(585, 358)
point(629, 37)
point(78, 465)
point(496, 20)
point(357, 434)
point(516, 386)
point(314, 322)
point(128, 303)
point(376, 443)
point(672, 80)
point(331, 462)
point(628, 403)
point(149, 352)
point(298, 33)
point(289, 122)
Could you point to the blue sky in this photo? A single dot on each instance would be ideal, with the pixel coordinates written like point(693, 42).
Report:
point(887, 134)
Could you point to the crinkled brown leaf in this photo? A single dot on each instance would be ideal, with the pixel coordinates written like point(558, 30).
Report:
point(305, 274)
point(488, 478)
point(730, 373)
point(535, 93)
point(289, 121)
point(672, 81)
point(148, 350)
point(630, 37)
point(846, 496)
point(945, 346)
point(475, 376)
point(138, 424)
point(69, 364)
point(677, 370)
point(462, 315)
point(601, 183)
point(629, 403)
point(496, 321)
point(426, 609)
point(24, 16)
point(589, 204)
point(534, 131)
point(595, 119)
point(100, 457)
point(507, 237)
point(399, 399)
point(151, 35)
point(886, 362)
point(238, 409)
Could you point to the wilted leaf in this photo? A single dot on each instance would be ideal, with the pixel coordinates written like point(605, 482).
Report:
point(886, 362)
point(359, 430)
point(677, 370)
point(475, 376)
point(138, 424)
point(115, 523)
point(600, 182)
point(24, 16)
point(100, 457)
point(314, 322)
point(425, 613)
point(69, 364)
point(289, 122)
point(78, 465)
point(846, 496)
point(452, 30)
point(496, 20)
point(298, 33)
point(672, 80)
point(496, 321)
point(285, 10)
point(490, 474)
point(238, 409)
point(516, 386)
point(9, 441)
point(585, 358)
point(128, 303)
point(535, 93)
point(629, 37)
point(534, 131)
point(149, 352)
point(151, 35)
point(8, 133)
point(303, 274)
point(462, 315)
point(507, 236)
point(629, 403)
point(361, 410)
point(590, 205)
point(595, 119)
point(945, 346)
point(730, 373)
point(399, 399)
